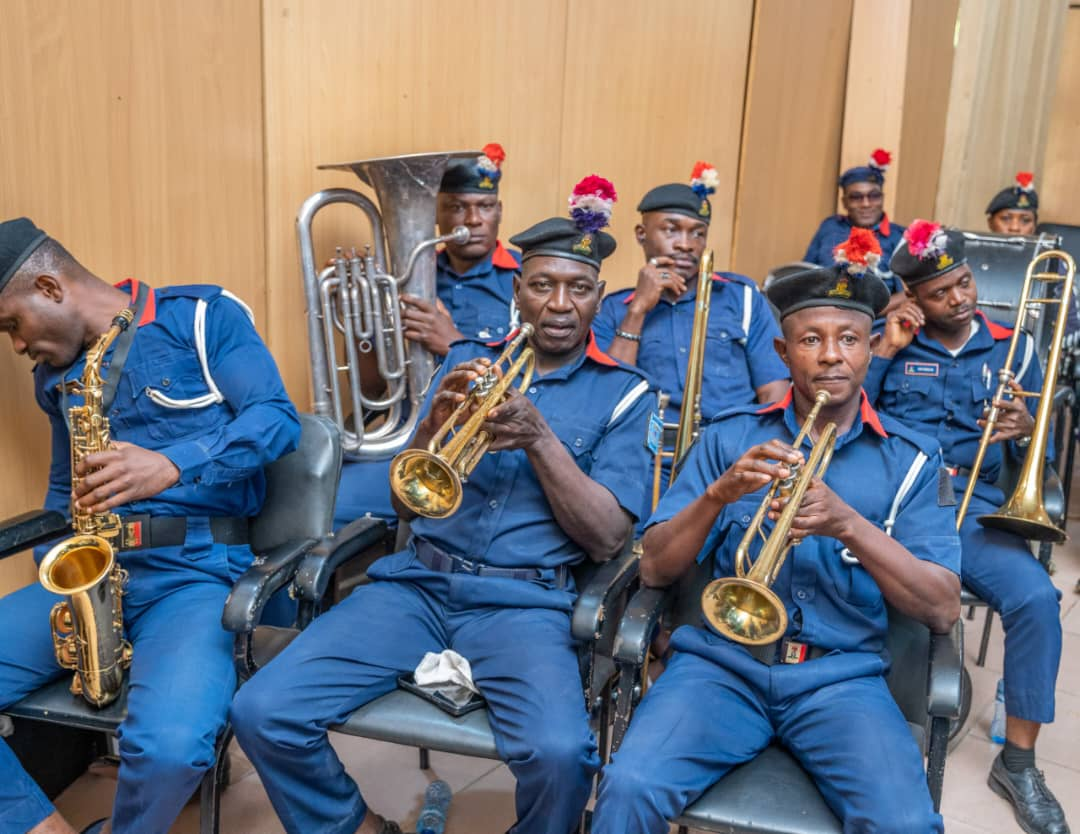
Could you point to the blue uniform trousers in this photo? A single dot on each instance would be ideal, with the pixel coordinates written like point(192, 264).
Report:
point(523, 660)
point(364, 488)
point(1000, 568)
point(701, 719)
point(181, 682)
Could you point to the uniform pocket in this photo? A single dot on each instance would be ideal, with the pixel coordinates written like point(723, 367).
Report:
point(177, 380)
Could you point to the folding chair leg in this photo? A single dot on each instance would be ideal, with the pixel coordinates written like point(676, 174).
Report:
point(425, 759)
point(935, 763)
point(971, 612)
point(213, 784)
point(981, 659)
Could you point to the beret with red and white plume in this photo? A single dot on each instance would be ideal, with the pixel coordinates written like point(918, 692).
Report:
point(1020, 196)
point(479, 175)
point(579, 237)
point(873, 171)
point(927, 251)
point(860, 253)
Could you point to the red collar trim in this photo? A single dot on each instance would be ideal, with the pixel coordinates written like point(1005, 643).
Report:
point(884, 225)
point(149, 312)
point(592, 350)
point(717, 277)
point(866, 412)
point(502, 259)
point(996, 330)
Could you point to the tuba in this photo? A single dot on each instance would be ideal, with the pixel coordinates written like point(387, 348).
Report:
point(690, 415)
point(354, 301)
point(88, 627)
point(430, 481)
point(1025, 513)
point(744, 607)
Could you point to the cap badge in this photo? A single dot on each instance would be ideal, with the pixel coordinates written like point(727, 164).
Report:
point(1023, 201)
point(485, 182)
point(704, 210)
point(842, 289)
point(584, 246)
point(944, 260)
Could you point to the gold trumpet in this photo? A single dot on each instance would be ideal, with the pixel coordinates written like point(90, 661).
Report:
point(744, 607)
point(1025, 512)
point(430, 481)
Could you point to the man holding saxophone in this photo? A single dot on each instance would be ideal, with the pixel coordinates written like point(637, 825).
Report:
point(198, 410)
point(491, 579)
point(936, 369)
point(874, 528)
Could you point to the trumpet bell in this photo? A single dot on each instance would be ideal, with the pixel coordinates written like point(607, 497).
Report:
point(425, 483)
point(744, 611)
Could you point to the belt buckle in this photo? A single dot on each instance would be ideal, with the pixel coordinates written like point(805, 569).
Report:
point(134, 531)
point(792, 651)
point(466, 565)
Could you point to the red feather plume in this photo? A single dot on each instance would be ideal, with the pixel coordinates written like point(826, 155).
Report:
point(880, 158)
point(494, 151)
point(1024, 180)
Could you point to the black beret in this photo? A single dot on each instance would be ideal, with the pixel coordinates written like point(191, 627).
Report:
point(560, 237)
point(861, 173)
point(679, 199)
point(18, 240)
point(479, 175)
point(1014, 198)
point(940, 251)
point(830, 286)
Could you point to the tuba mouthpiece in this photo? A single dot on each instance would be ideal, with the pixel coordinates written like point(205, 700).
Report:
point(460, 235)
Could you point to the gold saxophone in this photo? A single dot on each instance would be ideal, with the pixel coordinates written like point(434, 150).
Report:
point(88, 628)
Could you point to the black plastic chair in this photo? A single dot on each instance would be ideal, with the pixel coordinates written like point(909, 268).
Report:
point(300, 492)
point(401, 717)
point(924, 679)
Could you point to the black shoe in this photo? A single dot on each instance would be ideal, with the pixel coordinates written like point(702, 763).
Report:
point(1034, 807)
point(95, 827)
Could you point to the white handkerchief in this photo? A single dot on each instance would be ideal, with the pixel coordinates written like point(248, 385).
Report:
point(448, 673)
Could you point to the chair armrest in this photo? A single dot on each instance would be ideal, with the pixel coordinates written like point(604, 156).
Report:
point(599, 597)
point(270, 572)
point(1064, 395)
point(639, 623)
point(29, 530)
point(313, 577)
point(946, 668)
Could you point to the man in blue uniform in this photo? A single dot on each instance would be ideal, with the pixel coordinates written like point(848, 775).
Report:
point(490, 581)
point(475, 286)
point(650, 326)
point(198, 410)
point(863, 198)
point(939, 378)
point(1015, 210)
point(821, 690)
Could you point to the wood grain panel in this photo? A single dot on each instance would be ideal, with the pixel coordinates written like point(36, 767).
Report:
point(650, 89)
point(877, 66)
point(133, 134)
point(347, 80)
point(791, 133)
point(1059, 181)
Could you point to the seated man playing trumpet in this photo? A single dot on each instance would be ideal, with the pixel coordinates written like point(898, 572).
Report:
point(936, 369)
point(490, 580)
point(858, 538)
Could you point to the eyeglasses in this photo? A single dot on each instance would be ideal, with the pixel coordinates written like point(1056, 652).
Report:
point(869, 197)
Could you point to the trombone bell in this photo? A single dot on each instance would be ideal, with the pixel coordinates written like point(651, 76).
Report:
point(745, 611)
point(1025, 515)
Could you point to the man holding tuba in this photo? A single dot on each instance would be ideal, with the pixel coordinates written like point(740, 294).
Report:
point(650, 325)
point(861, 539)
point(936, 369)
point(198, 409)
point(490, 581)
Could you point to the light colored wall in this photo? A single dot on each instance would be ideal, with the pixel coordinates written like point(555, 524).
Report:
point(1058, 182)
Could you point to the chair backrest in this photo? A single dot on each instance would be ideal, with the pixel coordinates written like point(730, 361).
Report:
point(301, 488)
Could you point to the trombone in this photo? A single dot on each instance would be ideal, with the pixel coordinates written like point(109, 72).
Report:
point(1025, 511)
point(744, 608)
point(430, 482)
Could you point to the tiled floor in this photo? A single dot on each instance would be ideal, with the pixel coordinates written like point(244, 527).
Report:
point(483, 790)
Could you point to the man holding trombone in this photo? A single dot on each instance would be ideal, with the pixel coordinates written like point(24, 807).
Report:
point(873, 528)
point(936, 369)
point(489, 578)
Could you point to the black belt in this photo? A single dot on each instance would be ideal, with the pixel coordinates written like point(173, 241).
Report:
point(958, 471)
point(143, 531)
point(437, 559)
point(787, 651)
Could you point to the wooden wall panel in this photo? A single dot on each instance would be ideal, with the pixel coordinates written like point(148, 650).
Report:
point(650, 89)
point(347, 80)
point(133, 134)
point(1059, 181)
point(791, 132)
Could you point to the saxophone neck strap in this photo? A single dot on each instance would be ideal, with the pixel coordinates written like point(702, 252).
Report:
point(121, 349)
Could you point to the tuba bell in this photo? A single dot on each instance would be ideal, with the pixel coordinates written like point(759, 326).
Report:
point(744, 608)
point(430, 481)
point(88, 627)
point(354, 301)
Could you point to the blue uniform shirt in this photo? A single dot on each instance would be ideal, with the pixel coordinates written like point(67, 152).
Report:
point(943, 395)
point(830, 603)
point(600, 410)
point(220, 450)
point(739, 352)
point(479, 301)
point(836, 229)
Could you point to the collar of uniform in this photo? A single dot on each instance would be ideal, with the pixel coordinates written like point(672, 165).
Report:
point(867, 414)
point(993, 333)
point(996, 330)
point(502, 259)
point(686, 296)
point(498, 257)
point(149, 312)
point(592, 349)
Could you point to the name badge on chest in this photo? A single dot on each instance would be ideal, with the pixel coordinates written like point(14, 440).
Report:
point(921, 369)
